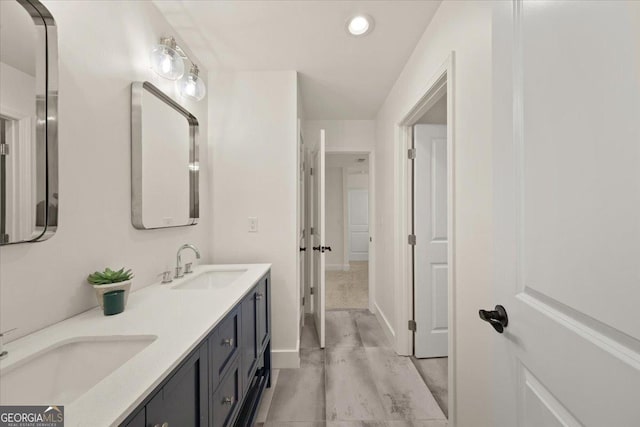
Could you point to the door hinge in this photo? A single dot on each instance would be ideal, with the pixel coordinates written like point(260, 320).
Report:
point(310, 171)
point(312, 291)
point(312, 231)
point(412, 239)
point(412, 325)
point(303, 301)
point(411, 153)
point(4, 149)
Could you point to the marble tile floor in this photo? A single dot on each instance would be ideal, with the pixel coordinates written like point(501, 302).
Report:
point(356, 381)
point(348, 289)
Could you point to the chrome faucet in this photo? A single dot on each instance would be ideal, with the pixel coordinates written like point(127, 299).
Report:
point(4, 353)
point(179, 272)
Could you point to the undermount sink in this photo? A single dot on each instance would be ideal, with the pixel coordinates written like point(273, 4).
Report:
point(61, 373)
point(211, 280)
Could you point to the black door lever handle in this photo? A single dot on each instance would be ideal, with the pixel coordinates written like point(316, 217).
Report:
point(497, 318)
point(316, 248)
point(303, 249)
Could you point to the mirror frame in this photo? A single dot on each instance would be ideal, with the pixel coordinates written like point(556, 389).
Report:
point(46, 145)
point(137, 92)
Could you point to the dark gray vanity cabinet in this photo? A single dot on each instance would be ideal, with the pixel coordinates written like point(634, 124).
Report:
point(255, 329)
point(220, 384)
point(182, 401)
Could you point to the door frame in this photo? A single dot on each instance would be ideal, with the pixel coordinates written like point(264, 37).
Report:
point(372, 211)
point(441, 81)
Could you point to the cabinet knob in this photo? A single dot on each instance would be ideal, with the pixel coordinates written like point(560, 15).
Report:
point(259, 295)
point(227, 401)
point(165, 424)
point(228, 342)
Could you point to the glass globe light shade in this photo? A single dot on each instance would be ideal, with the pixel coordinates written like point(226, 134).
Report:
point(166, 61)
point(192, 86)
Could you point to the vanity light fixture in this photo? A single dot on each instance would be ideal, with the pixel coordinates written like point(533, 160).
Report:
point(360, 25)
point(191, 85)
point(165, 59)
point(168, 60)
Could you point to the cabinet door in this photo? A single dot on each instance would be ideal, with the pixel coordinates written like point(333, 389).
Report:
point(249, 347)
point(182, 401)
point(262, 307)
point(138, 420)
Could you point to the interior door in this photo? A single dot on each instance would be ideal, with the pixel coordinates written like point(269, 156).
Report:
point(358, 202)
point(430, 227)
point(318, 237)
point(566, 112)
point(302, 225)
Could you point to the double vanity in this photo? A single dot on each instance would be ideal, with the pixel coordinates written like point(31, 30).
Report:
point(194, 352)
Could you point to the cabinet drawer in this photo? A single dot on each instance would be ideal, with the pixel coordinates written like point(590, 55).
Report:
point(226, 399)
point(224, 346)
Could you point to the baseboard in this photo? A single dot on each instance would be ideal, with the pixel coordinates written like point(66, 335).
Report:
point(337, 267)
point(285, 359)
point(386, 326)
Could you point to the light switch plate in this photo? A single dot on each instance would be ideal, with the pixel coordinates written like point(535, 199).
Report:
point(253, 224)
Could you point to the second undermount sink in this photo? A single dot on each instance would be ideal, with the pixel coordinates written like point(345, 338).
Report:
point(65, 371)
point(211, 280)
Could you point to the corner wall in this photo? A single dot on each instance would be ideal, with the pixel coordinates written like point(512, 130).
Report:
point(253, 120)
point(102, 48)
point(463, 27)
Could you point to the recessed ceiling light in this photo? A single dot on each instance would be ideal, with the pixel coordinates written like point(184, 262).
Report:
point(360, 25)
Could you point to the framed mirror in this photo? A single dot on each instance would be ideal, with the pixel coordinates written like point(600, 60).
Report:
point(164, 160)
point(29, 202)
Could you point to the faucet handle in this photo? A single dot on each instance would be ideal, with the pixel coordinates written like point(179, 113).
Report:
point(179, 273)
point(188, 268)
point(166, 276)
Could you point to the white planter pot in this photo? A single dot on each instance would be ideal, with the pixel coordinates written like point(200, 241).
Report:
point(101, 289)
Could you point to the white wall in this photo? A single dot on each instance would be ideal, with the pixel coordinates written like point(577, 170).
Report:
point(334, 218)
point(253, 122)
point(103, 47)
point(342, 135)
point(463, 27)
point(358, 181)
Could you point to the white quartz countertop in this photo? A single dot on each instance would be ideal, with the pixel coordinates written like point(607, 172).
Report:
point(179, 318)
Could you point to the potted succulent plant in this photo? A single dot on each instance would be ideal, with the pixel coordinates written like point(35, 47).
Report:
point(110, 280)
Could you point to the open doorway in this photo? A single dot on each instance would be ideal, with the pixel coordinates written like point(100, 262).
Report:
point(425, 296)
point(430, 254)
point(347, 231)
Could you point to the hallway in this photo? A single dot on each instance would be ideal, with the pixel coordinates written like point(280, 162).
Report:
point(348, 289)
point(356, 381)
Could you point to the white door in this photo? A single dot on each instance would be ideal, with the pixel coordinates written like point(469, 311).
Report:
point(566, 105)
point(318, 237)
point(301, 220)
point(358, 211)
point(430, 227)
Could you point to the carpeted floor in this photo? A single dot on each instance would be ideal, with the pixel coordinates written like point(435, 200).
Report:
point(348, 289)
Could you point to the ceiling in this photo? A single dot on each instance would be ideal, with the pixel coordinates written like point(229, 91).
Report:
point(341, 76)
point(349, 161)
